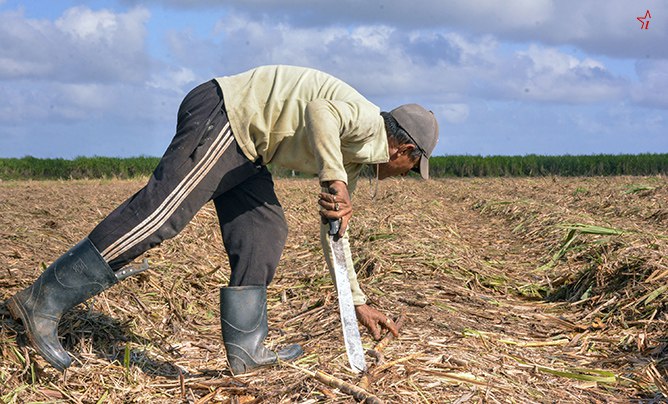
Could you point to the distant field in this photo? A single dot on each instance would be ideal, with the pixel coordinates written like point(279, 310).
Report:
point(513, 290)
point(442, 166)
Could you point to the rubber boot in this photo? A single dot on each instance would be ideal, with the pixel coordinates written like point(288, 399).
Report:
point(243, 319)
point(76, 276)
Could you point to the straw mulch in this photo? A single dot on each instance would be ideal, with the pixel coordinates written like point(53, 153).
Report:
point(510, 291)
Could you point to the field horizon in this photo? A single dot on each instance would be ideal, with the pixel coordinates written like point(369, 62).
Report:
point(530, 165)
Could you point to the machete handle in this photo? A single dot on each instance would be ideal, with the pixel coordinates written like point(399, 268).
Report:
point(334, 226)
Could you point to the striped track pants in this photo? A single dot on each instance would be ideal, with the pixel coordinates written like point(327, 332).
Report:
point(202, 163)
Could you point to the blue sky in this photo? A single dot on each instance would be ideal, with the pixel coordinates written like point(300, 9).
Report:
point(510, 77)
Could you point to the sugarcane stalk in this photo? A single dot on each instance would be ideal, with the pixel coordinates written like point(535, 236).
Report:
point(378, 351)
point(356, 392)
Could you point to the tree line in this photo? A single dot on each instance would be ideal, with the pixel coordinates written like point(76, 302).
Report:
point(31, 168)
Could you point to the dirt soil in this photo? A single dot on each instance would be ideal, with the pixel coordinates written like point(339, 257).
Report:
point(510, 290)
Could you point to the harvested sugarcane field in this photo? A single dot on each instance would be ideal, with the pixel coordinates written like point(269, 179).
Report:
point(506, 290)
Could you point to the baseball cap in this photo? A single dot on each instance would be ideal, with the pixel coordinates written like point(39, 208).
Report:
point(422, 128)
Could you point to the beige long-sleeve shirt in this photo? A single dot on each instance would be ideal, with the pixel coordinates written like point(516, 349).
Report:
point(309, 121)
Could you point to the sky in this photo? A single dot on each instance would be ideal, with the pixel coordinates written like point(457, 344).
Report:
point(504, 77)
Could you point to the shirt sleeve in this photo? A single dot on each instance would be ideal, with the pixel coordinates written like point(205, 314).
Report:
point(328, 124)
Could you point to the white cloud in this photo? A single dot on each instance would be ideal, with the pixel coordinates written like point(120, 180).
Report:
point(372, 38)
point(65, 102)
point(85, 65)
point(474, 52)
point(82, 45)
point(607, 27)
point(549, 60)
point(435, 62)
point(245, 43)
point(87, 25)
point(445, 67)
point(551, 75)
point(653, 86)
point(14, 68)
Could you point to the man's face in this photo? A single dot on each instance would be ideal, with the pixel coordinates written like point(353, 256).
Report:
point(400, 162)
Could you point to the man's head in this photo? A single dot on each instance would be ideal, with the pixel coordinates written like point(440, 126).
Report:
point(412, 134)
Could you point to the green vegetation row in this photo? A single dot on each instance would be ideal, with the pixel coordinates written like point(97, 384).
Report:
point(537, 165)
point(442, 166)
point(31, 168)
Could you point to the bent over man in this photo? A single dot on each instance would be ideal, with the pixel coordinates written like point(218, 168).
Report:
point(228, 130)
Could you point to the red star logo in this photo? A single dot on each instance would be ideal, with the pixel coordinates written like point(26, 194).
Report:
point(644, 20)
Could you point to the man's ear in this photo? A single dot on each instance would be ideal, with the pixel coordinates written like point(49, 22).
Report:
point(406, 148)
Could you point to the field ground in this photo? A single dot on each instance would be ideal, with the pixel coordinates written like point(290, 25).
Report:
point(513, 291)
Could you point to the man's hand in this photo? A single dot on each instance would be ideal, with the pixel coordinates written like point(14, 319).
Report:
point(336, 204)
point(374, 321)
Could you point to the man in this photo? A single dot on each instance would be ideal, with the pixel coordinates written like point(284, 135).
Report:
point(228, 130)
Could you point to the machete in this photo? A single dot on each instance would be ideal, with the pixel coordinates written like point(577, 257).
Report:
point(128, 271)
point(351, 332)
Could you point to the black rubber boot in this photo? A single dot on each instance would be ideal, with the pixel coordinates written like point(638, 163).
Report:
point(76, 276)
point(243, 319)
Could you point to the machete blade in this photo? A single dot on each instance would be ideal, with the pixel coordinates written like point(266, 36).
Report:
point(351, 333)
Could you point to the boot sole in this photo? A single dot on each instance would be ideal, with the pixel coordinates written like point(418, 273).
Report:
point(17, 312)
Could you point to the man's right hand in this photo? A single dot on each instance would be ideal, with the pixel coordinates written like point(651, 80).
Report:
point(375, 321)
point(336, 204)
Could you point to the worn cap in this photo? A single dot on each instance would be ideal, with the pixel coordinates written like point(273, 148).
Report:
point(422, 128)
